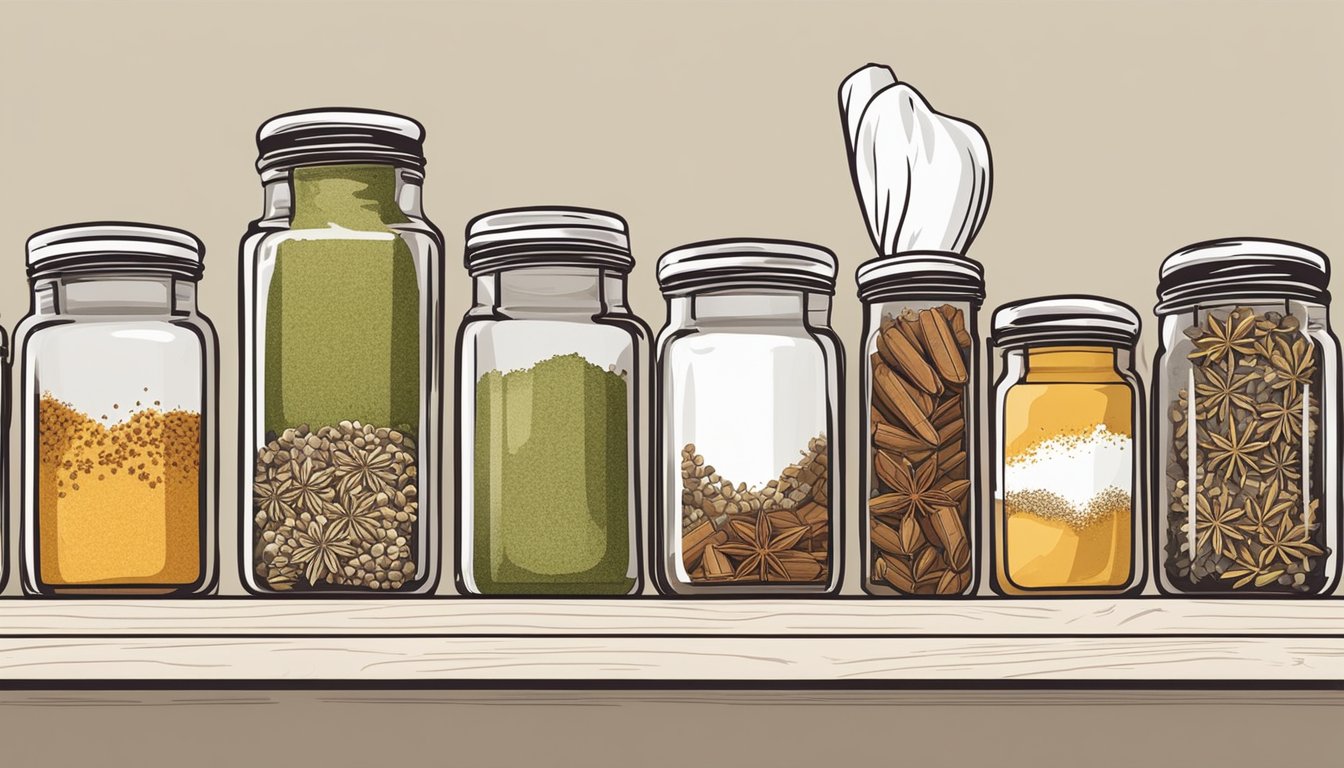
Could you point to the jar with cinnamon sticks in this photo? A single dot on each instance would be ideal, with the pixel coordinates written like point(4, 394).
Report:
point(919, 463)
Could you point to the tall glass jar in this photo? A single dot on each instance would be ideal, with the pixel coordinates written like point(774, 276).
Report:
point(550, 362)
point(749, 492)
point(119, 386)
point(919, 453)
point(341, 369)
point(1068, 447)
point(1246, 411)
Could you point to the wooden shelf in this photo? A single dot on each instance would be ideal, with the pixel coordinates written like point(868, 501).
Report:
point(750, 642)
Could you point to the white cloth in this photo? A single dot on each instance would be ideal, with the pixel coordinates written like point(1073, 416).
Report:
point(923, 177)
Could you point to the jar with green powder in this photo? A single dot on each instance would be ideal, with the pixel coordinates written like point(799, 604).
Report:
point(549, 389)
point(341, 363)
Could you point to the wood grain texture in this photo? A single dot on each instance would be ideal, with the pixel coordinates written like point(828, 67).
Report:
point(828, 642)
point(767, 618)
point(681, 660)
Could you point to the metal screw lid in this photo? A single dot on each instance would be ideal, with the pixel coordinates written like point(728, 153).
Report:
point(338, 135)
point(933, 275)
point(547, 236)
point(115, 246)
point(738, 263)
point(1065, 320)
point(1242, 269)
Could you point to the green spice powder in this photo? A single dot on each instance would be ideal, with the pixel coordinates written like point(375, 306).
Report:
point(342, 322)
point(551, 478)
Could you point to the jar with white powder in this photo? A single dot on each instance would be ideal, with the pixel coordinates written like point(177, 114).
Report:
point(1067, 442)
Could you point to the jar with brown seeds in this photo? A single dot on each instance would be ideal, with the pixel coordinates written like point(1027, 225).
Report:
point(750, 494)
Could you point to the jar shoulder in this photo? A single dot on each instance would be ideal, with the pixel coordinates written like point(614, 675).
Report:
point(266, 236)
point(193, 328)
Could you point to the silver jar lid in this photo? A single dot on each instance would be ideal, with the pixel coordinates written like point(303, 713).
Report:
point(547, 236)
point(338, 135)
point(746, 263)
point(1065, 320)
point(932, 275)
point(114, 246)
point(1237, 270)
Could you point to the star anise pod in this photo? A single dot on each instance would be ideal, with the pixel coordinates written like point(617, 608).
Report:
point(1214, 522)
point(1264, 511)
point(311, 486)
point(1282, 417)
point(1228, 338)
point(912, 491)
point(1234, 453)
point(355, 517)
point(1293, 364)
point(321, 550)
point(766, 555)
point(1279, 464)
point(1287, 542)
point(1222, 390)
point(368, 467)
point(1252, 569)
point(275, 497)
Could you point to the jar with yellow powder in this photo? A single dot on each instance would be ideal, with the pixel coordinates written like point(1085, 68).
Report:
point(1068, 472)
point(118, 393)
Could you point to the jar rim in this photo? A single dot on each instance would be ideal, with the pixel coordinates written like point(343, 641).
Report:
point(936, 275)
point(116, 246)
point(338, 135)
point(553, 235)
point(1237, 269)
point(745, 263)
point(1063, 319)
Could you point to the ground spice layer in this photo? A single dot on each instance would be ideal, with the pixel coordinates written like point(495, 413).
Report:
point(120, 503)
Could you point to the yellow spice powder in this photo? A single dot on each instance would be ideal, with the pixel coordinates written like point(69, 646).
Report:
point(118, 504)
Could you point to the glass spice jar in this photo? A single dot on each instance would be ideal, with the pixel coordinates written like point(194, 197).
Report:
point(341, 369)
point(1068, 473)
point(549, 395)
point(119, 386)
point(1246, 393)
point(749, 491)
point(919, 455)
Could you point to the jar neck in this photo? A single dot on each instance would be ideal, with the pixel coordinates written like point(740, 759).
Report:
point(113, 293)
point(751, 307)
point(1073, 363)
point(552, 290)
point(361, 196)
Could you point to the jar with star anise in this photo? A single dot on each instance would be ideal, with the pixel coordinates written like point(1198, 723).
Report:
point(341, 361)
point(748, 373)
point(1246, 398)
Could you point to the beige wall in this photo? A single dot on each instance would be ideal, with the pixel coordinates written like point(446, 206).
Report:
point(1119, 131)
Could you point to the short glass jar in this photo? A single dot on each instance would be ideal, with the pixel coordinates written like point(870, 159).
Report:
point(119, 385)
point(341, 365)
point(1246, 411)
point(919, 454)
point(749, 492)
point(550, 387)
point(1068, 447)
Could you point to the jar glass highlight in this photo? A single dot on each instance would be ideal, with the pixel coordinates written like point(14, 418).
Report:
point(919, 452)
point(749, 494)
point(1246, 393)
point(550, 388)
point(119, 377)
point(1068, 443)
point(341, 368)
